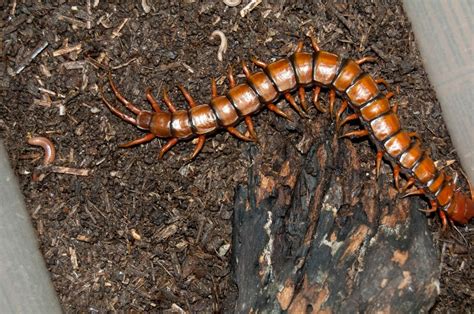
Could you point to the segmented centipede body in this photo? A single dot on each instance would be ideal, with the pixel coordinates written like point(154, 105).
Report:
point(303, 70)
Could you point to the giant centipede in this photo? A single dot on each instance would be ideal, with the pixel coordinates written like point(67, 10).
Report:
point(280, 79)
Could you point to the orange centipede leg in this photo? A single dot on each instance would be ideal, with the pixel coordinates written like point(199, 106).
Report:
point(198, 147)
point(356, 133)
point(168, 102)
point(239, 135)
point(258, 63)
point(314, 43)
point(396, 176)
point(332, 100)
point(230, 77)
point(213, 88)
point(378, 162)
point(295, 106)
point(250, 127)
point(278, 111)
point(300, 46)
point(302, 97)
point(152, 100)
point(351, 117)
point(339, 113)
point(246, 70)
point(366, 59)
point(408, 184)
point(148, 137)
point(168, 146)
point(189, 99)
point(316, 91)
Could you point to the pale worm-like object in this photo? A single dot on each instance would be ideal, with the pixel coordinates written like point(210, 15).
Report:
point(48, 147)
point(223, 45)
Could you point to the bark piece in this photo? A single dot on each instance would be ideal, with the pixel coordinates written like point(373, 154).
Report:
point(315, 233)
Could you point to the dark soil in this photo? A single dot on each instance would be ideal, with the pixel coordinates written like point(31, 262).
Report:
point(144, 234)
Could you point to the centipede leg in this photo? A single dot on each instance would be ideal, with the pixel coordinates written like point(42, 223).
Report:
point(316, 103)
point(148, 137)
point(433, 208)
point(366, 59)
point(122, 99)
point(168, 146)
point(213, 88)
point(351, 117)
point(378, 162)
point(332, 100)
point(295, 106)
point(152, 100)
point(259, 63)
point(395, 108)
point(278, 111)
point(355, 134)
point(302, 97)
point(408, 184)
point(314, 43)
point(444, 220)
point(419, 191)
point(189, 99)
point(168, 102)
point(250, 127)
point(246, 70)
point(383, 82)
point(339, 114)
point(396, 176)
point(198, 147)
point(415, 135)
point(239, 135)
point(300, 46)
point(389, 95)
point(230, 77)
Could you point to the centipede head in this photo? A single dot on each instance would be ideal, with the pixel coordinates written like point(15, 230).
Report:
point(461, 209)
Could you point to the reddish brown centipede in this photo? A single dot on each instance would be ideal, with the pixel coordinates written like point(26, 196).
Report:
point(316, 70)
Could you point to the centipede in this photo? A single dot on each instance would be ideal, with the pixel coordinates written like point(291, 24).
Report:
point(317, 70)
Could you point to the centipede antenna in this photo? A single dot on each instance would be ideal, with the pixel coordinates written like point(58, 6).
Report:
point(120, 97)
point(114, 110)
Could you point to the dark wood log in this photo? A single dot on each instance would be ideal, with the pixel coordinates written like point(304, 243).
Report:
point(314, 232)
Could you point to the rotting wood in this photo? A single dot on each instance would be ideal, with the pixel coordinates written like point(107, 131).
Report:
point(323, 236)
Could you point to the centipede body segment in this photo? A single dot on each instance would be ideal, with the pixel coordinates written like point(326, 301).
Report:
point(280, 79)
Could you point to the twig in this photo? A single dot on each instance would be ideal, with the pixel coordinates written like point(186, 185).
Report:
point(249, 7)
point(66, 50)
point(116, 32)
point(32, 55)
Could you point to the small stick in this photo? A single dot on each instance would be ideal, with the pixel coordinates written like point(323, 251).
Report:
point(249, 7)
point(38, 49)
point(66, 50)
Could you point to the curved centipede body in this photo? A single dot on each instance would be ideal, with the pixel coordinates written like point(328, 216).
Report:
point(303, 70)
